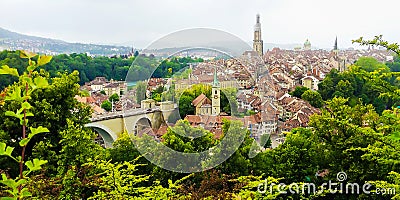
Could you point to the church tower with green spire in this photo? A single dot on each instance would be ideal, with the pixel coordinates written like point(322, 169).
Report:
point(335, 47)
point(216, 98)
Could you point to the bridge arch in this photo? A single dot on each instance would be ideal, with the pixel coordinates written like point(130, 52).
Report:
point(107, 134)
point(141, 124)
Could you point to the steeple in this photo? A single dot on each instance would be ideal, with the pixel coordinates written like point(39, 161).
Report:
point(215, 94)
point(215, 81)
point(335, 47)
point(257, 42)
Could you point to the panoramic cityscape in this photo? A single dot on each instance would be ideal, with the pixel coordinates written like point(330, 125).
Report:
point(199, 113)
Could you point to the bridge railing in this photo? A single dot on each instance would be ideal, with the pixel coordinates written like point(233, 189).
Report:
point(121, 114)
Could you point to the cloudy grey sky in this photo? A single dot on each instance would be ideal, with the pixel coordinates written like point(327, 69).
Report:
point(140, 22)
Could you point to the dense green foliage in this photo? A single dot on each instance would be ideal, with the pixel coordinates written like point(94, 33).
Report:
point(141, 88)
point(113, 98)
point(313, 97)
point(395, 65)
point(169, 67)
point(19, 96)
point(88, 67)
point(106, 105)
point(139, 67)
point(370, 64)
point(298, 91)
point(372, 87)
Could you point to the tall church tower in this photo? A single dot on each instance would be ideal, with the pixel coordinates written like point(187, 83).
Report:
point(335, 48)
point(216, 98)
point(258, 45)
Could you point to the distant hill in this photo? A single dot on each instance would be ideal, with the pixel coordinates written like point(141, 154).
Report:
point(14, 41)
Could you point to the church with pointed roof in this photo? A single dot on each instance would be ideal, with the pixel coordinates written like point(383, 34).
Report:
point(204, 106)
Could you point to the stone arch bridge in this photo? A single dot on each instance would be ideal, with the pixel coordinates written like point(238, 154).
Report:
point(111, 125)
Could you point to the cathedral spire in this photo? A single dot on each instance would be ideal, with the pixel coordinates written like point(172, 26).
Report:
point(257, 42)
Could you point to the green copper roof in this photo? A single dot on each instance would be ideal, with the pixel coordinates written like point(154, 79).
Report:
point(215, 82)
point(307, 42)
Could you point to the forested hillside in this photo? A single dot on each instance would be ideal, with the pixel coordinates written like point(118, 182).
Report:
point(90, 67)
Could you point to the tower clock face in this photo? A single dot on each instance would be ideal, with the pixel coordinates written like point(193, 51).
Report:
point(215, 96)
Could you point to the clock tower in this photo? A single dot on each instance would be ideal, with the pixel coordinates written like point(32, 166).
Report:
point(215, 95)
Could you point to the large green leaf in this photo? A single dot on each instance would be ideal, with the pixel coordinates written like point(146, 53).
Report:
point(43, 59)
point(15, 95)
point(26, 54)
point(24, 142)
point(4, 150)
point(37, 130)
point(25, 193)
point(13, 114)
point(31, 67)
point(36, 164)
point(26, 105)
point(7, 70)
point(8, 182)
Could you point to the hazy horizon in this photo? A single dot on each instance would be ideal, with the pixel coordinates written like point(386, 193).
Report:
point(142, 22)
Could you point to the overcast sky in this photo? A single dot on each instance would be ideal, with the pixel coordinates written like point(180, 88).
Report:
point(140, 21)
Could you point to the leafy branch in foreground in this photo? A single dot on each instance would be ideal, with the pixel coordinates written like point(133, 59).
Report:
point(378, 41)
point(16, 189)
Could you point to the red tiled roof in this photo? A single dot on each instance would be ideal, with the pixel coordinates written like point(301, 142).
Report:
point(193, 118)
point(201, 99)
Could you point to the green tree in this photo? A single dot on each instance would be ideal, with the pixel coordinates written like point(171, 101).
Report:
point(313, 97)
point(378, 88)
point(228, 101)
point(296, 160)
point(77, 147)
point(240, 163)
point(185, 105)
point(187, 96)
point(141, 88)
point(106, 105)
point(114, 98)
point(298, 91)
point(157, 93)
point(342, 130)
point(84, 93)
point(124, 150)
point(112, 68)
point(345, 88)
point(183, 138)
point(370, 64)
